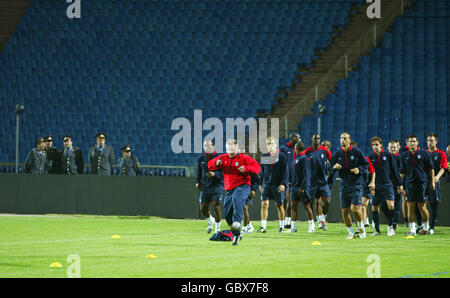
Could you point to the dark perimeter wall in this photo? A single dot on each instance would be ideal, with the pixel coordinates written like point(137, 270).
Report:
point(172, 197)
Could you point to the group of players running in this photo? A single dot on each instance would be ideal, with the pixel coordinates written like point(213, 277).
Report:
point(292, 174)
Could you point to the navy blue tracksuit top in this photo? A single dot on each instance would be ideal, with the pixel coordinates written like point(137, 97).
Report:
point(416, 166)
point(386, 169)
point(352, 158)
point(276, 173)
point(302, 174)
point(202, 169)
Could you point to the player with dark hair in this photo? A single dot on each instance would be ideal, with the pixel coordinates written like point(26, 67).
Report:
point(414, 166)
point(236, 168)
point(350, 162)
point(210, 184)
point(387, 177)
point(393, 149)
point(289, 151)
point(439, 159)
point(301, 188)
point(319, 157)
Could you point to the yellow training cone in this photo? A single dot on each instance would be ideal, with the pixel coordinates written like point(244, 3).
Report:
point(115, 237)
point(150, 256)
point(316, 243)
point(409, 237)
point(55, 265)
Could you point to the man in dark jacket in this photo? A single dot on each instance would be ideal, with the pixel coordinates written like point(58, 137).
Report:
point(72, 162)
point(36, 162)
point(101, 156)
point(128, 164)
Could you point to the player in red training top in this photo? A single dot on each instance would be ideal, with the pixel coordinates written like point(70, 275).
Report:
point(236, 169)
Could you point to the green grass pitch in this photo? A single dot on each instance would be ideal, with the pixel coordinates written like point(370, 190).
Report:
point(29, 244)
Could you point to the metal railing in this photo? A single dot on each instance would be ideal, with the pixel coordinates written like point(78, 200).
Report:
point(146, 170)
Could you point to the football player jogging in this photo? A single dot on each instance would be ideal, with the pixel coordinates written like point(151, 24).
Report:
point(289, 150)
point(248, 227)
point(274, 180)
point(439, 159)
point(350, 162)
point(413, 168)
point(236, 168)
point(387, 177)
point(368, 191)
point(301, 188)
point(393, 149)
point(210, 184)
point(319, 157)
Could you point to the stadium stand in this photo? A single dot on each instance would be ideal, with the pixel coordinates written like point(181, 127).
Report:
point(129, 68)
point(400, 88)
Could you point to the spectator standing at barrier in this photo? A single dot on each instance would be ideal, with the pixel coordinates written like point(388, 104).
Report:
point(53, 157)
point(36, 162)
point(128, 164)
point(101, 156)
point(439, 160)
point(72, 162)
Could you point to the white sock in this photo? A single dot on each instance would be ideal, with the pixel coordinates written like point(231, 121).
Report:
point(412, 227)
point(311, 222)
point(250, 225)
point(426, 226)
point(294, 224)
point(218, 226)
point(264, 224)
point(281, 223)
point(287, 220)
point(350, 230)
point(361, 226)
point(322, 217)
point(318, 218)
point(211, 219)
point(244, 229)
